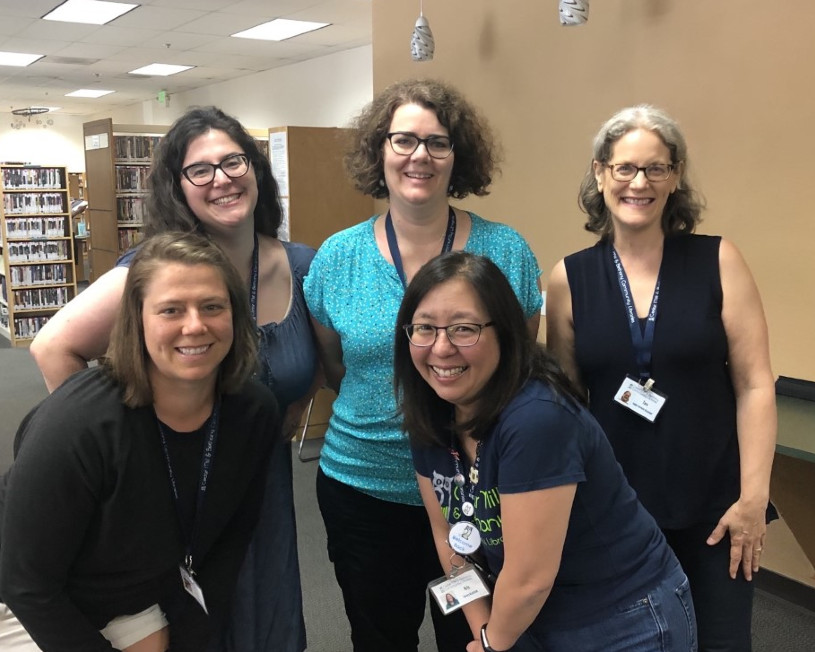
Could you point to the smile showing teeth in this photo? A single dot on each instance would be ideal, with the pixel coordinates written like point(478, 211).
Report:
point(225, 200)
point(193, 350)
point(417, 175)
point(636, 201)
point(448, 373)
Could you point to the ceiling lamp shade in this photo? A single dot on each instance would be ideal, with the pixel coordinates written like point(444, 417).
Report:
point(422, 45)
point(574, 12)
point(30, 110)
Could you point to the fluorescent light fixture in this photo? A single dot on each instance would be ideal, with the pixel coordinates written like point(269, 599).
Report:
point(88, 92)
point(18, 59)
point(92, 12)
point(159, 69)
point(280, 29)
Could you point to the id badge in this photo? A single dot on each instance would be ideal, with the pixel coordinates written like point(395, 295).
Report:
point(642, 400)
point(462, 587)
point(193, 588)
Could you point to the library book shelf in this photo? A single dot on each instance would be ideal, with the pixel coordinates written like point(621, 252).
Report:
point(37, 275)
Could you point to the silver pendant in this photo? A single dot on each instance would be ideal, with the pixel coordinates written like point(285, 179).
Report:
point(458, 478)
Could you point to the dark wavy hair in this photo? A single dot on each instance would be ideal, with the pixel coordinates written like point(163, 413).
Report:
point(427, 417)
point(684, 207)
point(475, 151)
point(167, 208)
point(127, 360)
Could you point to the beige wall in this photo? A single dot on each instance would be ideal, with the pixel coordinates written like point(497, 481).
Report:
point(739, 75)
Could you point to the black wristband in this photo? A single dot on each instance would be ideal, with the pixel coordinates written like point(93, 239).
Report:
point(484, 642)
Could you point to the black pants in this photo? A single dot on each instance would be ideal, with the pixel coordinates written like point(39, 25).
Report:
point(723, 606)
point(384, 556)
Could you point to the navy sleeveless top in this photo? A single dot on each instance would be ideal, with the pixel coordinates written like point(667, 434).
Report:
point(685, 466)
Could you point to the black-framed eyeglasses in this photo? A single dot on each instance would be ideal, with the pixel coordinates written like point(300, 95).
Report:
point(629, 171)
point(233, 166)
point(405, 143)
point(458, 334)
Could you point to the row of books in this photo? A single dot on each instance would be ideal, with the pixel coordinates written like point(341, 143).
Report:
point(33, 177)
point(34, 203)
point(28, 327)
point(35, 227)
point(41, 298)
point(129, 238)
point(139, 147)
point(131, 178)
point(130, 209)
point(27, 275)
point(36, 250)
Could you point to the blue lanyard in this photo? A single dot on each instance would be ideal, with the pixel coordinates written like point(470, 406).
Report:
point(206, 465)
point(253, 283)
point(643, 341)
point(393, 245)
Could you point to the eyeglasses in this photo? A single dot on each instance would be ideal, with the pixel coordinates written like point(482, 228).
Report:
point(405, 143)
point(457, 334)
point(200, 174)
point(629, 172)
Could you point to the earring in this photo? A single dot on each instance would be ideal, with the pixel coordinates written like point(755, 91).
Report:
point(381, 183)
point(450, 189)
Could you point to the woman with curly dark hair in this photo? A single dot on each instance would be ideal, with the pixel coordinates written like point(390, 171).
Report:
point(419, 143)
point(208, 175)
point(654, 319)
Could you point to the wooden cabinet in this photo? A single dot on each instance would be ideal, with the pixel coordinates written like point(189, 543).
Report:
point(117, 163)
point(318, 198)
point(36, 249)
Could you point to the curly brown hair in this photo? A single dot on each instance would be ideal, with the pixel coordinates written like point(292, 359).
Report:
point(476, 155)
point(684, 208)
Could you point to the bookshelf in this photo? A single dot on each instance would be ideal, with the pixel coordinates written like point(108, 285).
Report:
point(36, 249)
point(117, 164)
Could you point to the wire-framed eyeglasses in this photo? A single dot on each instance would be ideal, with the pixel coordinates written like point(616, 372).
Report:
point(233, 166)
point(405, 143)
point(457, 334)
point(629, 171)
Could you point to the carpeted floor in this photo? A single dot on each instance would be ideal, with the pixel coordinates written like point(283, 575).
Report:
point(778, 625)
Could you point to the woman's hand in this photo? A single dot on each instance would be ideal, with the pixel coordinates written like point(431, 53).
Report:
point(747, 527)
point(474, 646)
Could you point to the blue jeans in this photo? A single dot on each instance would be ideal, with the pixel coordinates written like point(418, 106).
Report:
point(661, 621)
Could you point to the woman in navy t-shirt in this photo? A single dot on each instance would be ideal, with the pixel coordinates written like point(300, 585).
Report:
point(502, 442)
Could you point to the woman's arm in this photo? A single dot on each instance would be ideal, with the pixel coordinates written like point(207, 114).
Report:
point(749, 363)
point(559, 321)
point(80, 331)
point(534, 526)
point(478, 611)
point(329, 347)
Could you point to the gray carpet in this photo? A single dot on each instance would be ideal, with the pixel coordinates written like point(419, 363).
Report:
point(778, 625)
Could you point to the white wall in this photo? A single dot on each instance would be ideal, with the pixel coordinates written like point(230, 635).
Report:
point(323, 92)
point(57, 144)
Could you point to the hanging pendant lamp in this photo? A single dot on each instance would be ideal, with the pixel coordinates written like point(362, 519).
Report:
point(574, 12)
point(422, 45)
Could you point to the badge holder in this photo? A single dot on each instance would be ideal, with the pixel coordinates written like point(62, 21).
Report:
point(462, 586)
point(642, 400)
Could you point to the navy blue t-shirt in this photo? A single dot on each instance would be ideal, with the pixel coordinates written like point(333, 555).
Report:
point(613, 553)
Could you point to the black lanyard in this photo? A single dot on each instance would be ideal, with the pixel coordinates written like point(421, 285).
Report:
point(643, 341)
point(393, 245)
point(461, 480)
point(206, 465)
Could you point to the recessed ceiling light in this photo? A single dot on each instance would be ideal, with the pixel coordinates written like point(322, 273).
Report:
point(93, 12)
point(160, 69)
point(280, 29)
point(18, 59)
point(87, 92)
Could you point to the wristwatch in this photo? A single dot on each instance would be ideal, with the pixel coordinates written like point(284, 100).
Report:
point(484, 642)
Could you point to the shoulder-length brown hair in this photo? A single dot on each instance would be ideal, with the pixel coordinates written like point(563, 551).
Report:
point(167, 208)
point(475, 151)
point(427, 417)
point(683, 211)
point(127, 359)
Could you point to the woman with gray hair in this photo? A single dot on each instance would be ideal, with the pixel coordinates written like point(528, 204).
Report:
point(669, 320)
